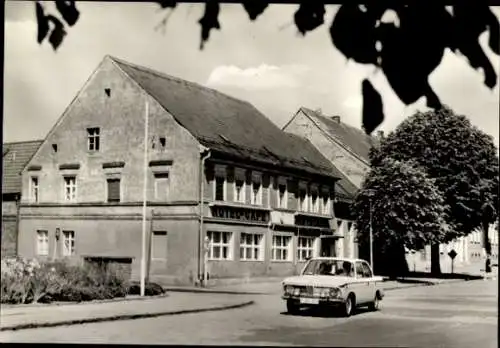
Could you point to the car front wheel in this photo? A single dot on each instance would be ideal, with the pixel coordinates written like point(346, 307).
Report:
point(348, 306)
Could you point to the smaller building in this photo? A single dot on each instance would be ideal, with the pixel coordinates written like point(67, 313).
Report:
point(15, 157)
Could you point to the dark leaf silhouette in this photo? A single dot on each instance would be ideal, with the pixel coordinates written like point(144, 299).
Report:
point(469, 22)
point(43, 23)
point(255, 8)
point(167, 3)
point(58, 33)
point(209, 20)
point(309, 16)
point(373, 109)
point(494, 27)
point(68, 11)
point(353, 33)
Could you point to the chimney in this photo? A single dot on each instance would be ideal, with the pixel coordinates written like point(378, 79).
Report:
point(380, 135)
point(336, 118)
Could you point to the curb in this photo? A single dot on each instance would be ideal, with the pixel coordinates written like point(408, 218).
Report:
point(214, 291)
point(122, 317)
point(71, 303)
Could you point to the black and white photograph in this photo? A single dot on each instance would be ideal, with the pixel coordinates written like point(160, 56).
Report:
point(250, 173)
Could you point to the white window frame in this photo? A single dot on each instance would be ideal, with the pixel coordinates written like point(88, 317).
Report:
point(239, 175)
point(250, 248)
point(42, 242)
point(221, 173)
point(310, 250)
point(34, 194)
point(94, 133)
point(68, 184)
point(221, 245)
point(279, 249)
point(314, 206)
point(157, 180)
point(282, 204)
point(68, 239)
point(303, 206)
point(256, 199)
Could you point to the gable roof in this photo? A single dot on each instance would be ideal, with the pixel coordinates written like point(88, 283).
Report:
point(15, 157)
point(352, 138)
point(225, 124)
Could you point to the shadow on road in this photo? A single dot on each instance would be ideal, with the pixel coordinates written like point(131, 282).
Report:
point(425, 275)
point(324, 312)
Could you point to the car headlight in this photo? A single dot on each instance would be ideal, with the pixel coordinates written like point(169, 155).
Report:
point(288, 289)
point(296, 292)
point(335, 292)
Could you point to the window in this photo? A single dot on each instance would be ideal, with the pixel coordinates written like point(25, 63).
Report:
point(326, 204)
point(305, 248)
point(113, 190)
point(162, 186)
point(367, 273)
point(251, 246)
point(239, 190)
point(314, 201)
point(68, 243)
point(220, 188)
point(256, 190)
point(70, 188)
point(163, 142)
point(281, 248)
point(34, 189)
point(93, 139)
point(220, 245)
point(159, 245)
point(282, 198)
point(42, 243)
point(303, 199)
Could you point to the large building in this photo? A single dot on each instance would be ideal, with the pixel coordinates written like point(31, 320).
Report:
point(347, 148)
point(15, 157)
point(216, 168)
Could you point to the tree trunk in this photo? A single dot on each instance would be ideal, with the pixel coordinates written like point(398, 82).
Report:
point(435, 259)
point(487, 247)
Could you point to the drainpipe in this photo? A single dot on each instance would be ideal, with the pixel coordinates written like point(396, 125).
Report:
point(18, 217)
point(206, 151)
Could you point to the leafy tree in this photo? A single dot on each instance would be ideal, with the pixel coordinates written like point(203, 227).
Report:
point(406, 209)
point(461, 159)
point(409, 50)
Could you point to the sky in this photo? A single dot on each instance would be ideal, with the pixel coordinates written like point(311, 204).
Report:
point(266, 62)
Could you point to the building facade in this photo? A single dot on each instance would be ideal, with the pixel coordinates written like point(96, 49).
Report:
point(15, 157)
point(216, 170)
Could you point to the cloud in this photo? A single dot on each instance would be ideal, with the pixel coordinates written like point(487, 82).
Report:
point(258, 78)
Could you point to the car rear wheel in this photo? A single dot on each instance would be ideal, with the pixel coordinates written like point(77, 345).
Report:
point(349, 306)
point(292, 307)
point(375, 304)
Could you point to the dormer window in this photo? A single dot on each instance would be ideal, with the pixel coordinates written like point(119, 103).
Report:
point(93, 135)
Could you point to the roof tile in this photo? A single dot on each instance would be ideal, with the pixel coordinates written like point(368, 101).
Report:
point(15, 157)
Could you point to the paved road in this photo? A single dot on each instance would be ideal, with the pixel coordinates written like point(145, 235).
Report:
point(448, 315)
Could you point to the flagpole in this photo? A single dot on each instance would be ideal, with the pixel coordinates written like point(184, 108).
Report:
point(143, 256)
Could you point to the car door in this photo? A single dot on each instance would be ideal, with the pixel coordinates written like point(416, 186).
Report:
point(371, 286)
point(362, 284)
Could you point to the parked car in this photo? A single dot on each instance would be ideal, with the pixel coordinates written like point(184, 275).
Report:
point(333, 282)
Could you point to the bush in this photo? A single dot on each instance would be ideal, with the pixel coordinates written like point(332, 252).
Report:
point(25, 281)
point(151, 289)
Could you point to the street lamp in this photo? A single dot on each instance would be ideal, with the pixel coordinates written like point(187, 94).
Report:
point(370, 193)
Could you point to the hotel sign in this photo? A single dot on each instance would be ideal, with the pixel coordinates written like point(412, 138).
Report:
point(311, 221)
point(240, 214)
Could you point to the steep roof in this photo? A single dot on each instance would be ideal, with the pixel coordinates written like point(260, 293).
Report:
point(226, 124)
point(15, 157)
point(354, 139)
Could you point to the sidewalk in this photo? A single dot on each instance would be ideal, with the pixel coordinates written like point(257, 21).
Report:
point(31, 316)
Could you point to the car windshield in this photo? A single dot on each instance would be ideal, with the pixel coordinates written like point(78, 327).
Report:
point(330, 267)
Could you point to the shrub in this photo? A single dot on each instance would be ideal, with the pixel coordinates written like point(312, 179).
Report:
point(25, 281)
point(151, 289)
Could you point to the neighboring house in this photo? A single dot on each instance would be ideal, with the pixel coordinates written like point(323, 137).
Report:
point(265, 196)
point(347, 148)
point(15, 157)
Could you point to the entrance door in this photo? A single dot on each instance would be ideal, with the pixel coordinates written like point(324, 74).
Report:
point(327, 247)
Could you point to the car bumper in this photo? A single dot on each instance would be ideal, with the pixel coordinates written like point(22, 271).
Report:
point(314, 301)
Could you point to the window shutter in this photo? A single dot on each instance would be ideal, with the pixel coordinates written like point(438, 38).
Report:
point(113, 190)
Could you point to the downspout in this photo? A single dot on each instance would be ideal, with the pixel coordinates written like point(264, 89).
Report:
point(18, 217)
point(201, 271)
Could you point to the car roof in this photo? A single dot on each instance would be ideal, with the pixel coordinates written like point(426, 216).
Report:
point(337, 259)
